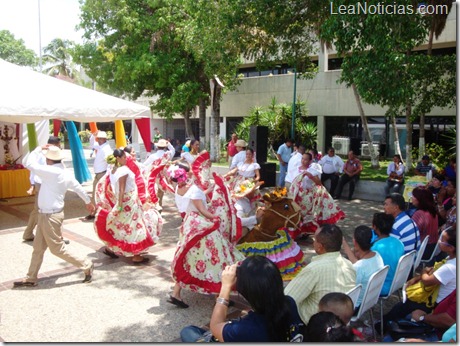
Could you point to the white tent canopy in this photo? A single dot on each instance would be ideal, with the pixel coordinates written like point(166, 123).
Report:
point(27, 96)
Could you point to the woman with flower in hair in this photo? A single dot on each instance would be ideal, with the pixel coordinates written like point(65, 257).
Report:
point(249, 169)
point(121, 221)
point(317, 206)
point(206, 239)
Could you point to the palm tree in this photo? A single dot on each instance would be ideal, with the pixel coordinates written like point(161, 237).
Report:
point(59, 59)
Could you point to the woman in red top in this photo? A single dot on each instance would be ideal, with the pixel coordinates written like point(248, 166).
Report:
point(425, 217)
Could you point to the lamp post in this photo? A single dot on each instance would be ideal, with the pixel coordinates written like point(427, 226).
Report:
point(39, 38)
point(293, 106)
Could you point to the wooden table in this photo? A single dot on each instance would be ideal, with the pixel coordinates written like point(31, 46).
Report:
point(14, 183)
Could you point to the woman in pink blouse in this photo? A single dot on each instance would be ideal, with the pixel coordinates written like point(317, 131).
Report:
point(425, 217)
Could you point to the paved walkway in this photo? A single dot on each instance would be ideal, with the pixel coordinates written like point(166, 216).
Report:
point(124, 303)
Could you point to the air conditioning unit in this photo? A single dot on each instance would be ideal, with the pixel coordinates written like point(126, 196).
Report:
point(365, 149)
point(341, 145)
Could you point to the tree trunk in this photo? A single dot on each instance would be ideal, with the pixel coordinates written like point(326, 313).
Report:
point(395, 129)
point(421, 139)
point(188, 125)
point(202, 117)
point(408, 138)
point(216, 89)
point(374, 156)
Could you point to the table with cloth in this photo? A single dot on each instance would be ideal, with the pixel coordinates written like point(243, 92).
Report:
point(14, 183)
point(411, 183)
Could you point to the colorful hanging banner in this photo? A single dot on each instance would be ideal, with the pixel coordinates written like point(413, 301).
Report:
point(93, 127)
point(120, 137)
point(80, 165)
point(56, 127)
point(143, 125)
point(32, 136)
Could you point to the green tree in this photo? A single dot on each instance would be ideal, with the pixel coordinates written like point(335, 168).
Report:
point(58, 59)
point(277, 117)
point(15, 51)
point(378, 59)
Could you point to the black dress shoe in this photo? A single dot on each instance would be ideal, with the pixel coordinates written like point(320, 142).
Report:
point(27, 240)
point(66, 241)
point(24, 284)
point(89, 217)
point(177, 302)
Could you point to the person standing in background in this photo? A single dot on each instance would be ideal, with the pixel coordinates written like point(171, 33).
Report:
point(103, 150)
point(294, 164)
point(231, 149)
point(332, 168)
point(284, 155)
point(157, 136)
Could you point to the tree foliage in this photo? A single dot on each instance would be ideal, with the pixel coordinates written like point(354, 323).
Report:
point(277, 117)
point(14, 50)
point(378, 58)
point(58, 59)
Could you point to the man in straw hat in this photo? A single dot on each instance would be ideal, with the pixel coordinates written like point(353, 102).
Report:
point(99, 143)
point(241, 153)
point(56, 180)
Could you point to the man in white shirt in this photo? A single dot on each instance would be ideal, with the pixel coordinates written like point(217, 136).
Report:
point(35, 183)
point(294, 163)
point(241, 155)
point(55, 183)
point(332, 168)
point(99, 143)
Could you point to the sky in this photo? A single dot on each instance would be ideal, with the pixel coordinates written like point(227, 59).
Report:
point(58, 19)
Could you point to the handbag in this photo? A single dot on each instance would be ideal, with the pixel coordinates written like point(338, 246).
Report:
point(408, 329)
point(419, 293)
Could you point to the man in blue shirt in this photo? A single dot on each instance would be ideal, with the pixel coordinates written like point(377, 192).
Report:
point(403, 228)
point(284, 154)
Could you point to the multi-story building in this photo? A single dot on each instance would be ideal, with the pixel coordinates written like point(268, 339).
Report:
point(330, 105)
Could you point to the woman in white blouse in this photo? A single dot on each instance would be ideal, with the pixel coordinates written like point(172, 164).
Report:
point(317, 207)
point(206, 240)
point(121, 222)
point(249, 169)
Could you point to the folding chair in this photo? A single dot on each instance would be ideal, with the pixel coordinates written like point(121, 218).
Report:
point(420, 252)
point(354, 293)
point(401, 274)
point(371, 294)
point(435, 252)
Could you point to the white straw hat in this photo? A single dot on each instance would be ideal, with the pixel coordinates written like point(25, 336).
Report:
point(54, 153)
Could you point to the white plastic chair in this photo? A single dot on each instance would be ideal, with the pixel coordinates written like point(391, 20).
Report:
point(401, 274)
point(372, 294)
point(435, 252)
point(420, 252)
point(354, 293)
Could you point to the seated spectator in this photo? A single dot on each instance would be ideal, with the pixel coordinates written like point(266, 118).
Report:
point(274, 316)
point(395, 173)
point(445, 204)
point(332, 168)
point(341, 305)
point(450, 171)
point(451, 215)
point(389, 248)
point(365, 261)
point(404, 228)
point(435, 185)
point(426, 218)
point(327, 327)
point(445, 276)
point(327, 272)
point(351, 172)
point(424, 166)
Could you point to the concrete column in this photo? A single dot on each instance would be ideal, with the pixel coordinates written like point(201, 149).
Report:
point(322, 58)
point(321, 134)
